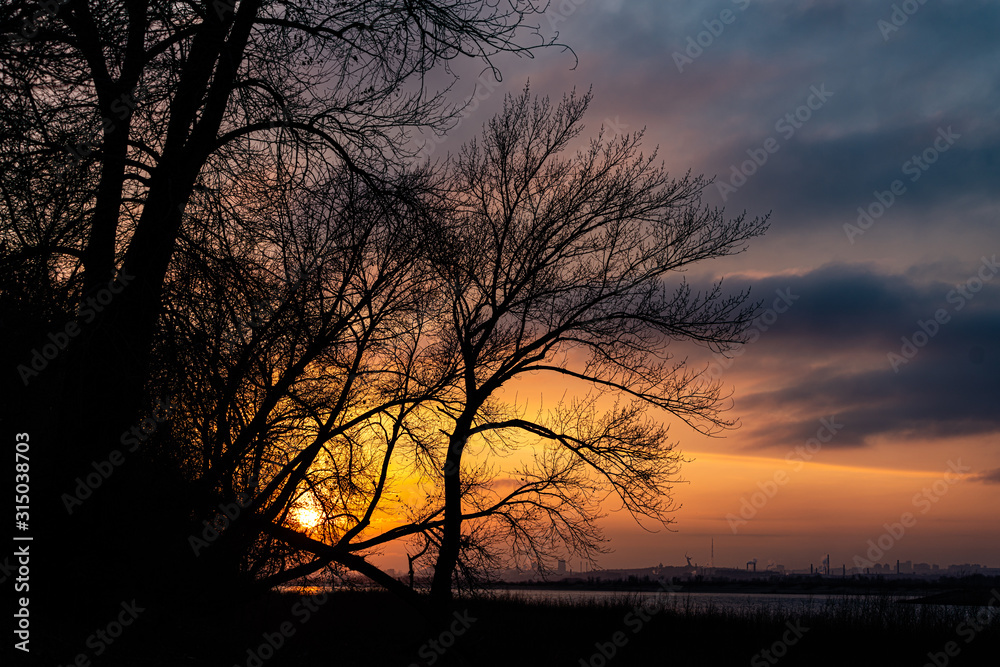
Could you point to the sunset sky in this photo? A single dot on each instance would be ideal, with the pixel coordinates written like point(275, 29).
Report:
point(843, 105)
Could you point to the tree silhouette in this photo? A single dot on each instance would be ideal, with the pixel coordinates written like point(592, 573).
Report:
point(290, 385)
point(558, 267)
point(136, 134)
point(329, 325)
point(531, 264)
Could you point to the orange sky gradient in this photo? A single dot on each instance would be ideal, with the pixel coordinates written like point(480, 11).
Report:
point(793, 512)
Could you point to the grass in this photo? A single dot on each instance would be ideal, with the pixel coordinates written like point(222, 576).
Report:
point(372, 629)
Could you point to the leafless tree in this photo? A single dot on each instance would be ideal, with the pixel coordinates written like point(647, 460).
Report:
point(134, 132)
point(330, 323)
point(560, 266)
point(518, 262)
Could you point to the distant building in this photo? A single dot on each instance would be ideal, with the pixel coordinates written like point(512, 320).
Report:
point(561, 566)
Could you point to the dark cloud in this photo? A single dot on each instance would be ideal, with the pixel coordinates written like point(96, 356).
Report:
point(987, 477)
point(846, 306)
point(829, 355)
point(941, 68)
point(807, 179)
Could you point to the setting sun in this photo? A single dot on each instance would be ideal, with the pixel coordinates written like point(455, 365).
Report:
point(307, 517)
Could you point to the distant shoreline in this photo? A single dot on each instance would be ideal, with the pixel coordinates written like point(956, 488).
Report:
point(975, 589)
point(964, 591)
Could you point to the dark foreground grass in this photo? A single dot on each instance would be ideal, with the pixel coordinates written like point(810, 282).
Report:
point(370, 629)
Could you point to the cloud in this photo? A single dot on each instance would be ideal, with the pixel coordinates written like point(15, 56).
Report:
point(987, 477)
point(868, 348)
point(505, 484)
point(890, 97)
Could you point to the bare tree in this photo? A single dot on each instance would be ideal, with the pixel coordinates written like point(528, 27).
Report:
point(559, 266)
point(330, 323)
point(289, 383)
point(130, 126)
point(526, 264)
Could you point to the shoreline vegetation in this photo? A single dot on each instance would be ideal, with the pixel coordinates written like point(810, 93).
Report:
point(969, 590)
point(355, 628)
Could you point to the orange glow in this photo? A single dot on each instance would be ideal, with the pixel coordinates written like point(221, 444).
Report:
point(307, 517)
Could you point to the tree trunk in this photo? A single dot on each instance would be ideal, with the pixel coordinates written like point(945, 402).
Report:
point(452, 530)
